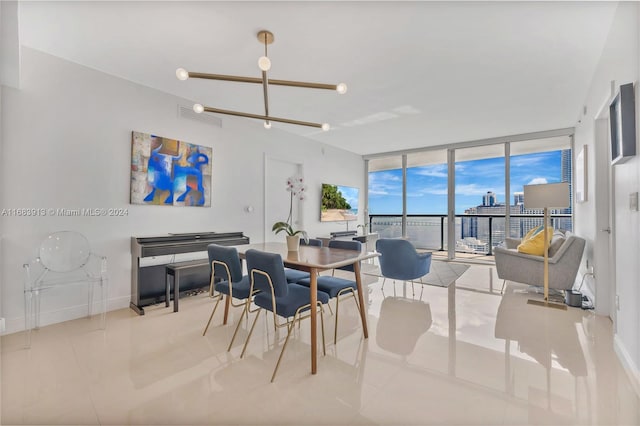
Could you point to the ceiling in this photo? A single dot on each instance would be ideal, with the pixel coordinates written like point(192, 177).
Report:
point(419, 73)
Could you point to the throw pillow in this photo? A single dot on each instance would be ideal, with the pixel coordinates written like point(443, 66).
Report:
point(532, 232)
point(535, 243)
point(556, 242)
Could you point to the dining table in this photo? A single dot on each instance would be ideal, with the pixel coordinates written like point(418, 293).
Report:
point(314, 260)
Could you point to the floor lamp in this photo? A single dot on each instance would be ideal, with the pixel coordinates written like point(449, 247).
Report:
point(554, 195)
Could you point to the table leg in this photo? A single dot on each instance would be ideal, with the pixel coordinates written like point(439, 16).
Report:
point(176, 290)
point(363, 308)
point(314, 319)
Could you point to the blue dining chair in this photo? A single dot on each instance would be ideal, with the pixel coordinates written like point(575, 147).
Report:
point(337, 287)
point(278, 296)
point(293, 275)
point(225, 264)
point(399, 260)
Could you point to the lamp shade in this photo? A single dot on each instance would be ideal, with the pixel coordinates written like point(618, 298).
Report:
point(547, 195)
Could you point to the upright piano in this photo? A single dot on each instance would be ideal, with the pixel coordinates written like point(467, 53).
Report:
point(148, 278)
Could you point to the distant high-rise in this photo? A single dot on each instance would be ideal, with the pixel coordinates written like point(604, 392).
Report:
point(565, 176)
point(565, 166)
point(489, 199)
point(518, 198)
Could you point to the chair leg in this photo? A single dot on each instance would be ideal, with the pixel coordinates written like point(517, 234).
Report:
point(28, 320)
point(289, 328)
point(211, 316)
point(104, 301)
point(335, 331)
point(250, 332)
point(237, 328)
point(36, 310)
point(90, 297)
point(502, 289)
point(330, 310)
point(355, 299)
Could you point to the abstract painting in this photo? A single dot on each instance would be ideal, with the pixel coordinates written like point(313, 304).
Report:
point(169, 172)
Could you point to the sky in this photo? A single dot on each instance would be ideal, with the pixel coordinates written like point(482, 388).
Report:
point(427, 185)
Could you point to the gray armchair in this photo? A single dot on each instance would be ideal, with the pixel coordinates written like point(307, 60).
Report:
point(565, 254)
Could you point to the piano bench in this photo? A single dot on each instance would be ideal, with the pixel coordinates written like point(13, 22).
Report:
point(182, 269)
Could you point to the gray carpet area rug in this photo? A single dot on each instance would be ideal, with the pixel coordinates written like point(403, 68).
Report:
point(441, 273)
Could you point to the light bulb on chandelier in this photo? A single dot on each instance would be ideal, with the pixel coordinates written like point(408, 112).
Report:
point(267, 124)
point(182, 74)
point(341, 88)
point(264, 63)
point(198, 108)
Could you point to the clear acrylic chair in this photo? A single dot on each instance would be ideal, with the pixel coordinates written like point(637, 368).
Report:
point(64, 258)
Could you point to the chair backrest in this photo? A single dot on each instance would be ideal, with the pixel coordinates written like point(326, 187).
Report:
point(395, 254)
point(64, 251)
point(271, 263)
point(312, 242)
point(228, 256)
point(346, 245)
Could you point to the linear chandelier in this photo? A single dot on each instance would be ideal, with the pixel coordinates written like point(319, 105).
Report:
point(264, 63)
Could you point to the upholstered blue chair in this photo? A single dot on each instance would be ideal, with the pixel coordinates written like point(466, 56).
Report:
point(293, 275)
point(225, 264)
point(278, 296)
point(399, 260)
point(336, 287)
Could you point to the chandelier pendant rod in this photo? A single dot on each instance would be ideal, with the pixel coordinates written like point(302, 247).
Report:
point(261, 117)
point(265, 82)
point(240, 79)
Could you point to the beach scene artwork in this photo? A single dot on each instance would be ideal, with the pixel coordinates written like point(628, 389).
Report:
point(339, 203)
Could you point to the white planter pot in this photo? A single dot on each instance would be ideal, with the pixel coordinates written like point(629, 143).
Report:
point(293, 242)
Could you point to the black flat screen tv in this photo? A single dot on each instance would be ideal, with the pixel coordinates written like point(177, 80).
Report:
point(622, 121)
point(339, 203)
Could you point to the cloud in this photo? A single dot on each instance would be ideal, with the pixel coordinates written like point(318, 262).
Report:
point(532, 160)
point(474, 189)
point(384, 177)
point(432, 190)
point(373, 191)
point(384, 184)
point(537, 181)
point(439, 170)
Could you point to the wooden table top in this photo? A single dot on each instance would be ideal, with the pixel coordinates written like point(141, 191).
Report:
point(310, 256)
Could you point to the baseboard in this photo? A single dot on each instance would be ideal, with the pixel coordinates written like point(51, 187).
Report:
point(627, 362)
point(15, 325)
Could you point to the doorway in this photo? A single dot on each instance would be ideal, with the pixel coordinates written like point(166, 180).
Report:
point(276, 198)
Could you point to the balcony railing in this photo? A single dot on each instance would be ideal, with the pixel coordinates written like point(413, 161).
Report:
point(477, 233)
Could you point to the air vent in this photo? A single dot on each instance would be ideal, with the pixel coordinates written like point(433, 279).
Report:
point(188, 112)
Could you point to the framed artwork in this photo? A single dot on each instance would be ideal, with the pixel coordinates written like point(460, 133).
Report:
point(581, 175)
point(169, 172)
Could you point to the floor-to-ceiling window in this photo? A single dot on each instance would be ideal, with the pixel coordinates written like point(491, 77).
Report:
point(539, 162)
point(385, 196)
point(427, 199)
point(480, 203)
point(479, 188)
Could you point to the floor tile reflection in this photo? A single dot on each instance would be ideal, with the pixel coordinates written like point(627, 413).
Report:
point(463, 354)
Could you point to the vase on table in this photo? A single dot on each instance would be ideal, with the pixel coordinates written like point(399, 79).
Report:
point(293, 242)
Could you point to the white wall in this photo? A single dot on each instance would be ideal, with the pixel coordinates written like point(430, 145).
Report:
point(619, 62)
point(67, 144)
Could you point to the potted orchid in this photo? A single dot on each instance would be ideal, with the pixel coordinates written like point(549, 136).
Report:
point(296, 189)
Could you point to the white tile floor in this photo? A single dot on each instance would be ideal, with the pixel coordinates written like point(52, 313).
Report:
point(457, 355)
